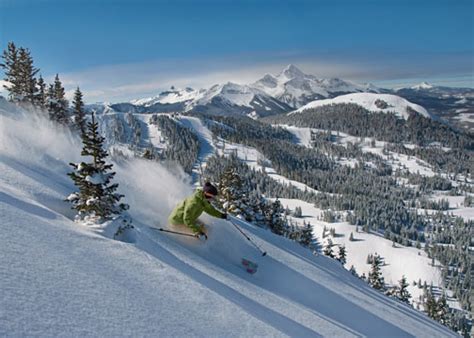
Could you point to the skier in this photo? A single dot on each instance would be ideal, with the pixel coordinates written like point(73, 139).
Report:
point(186, 213)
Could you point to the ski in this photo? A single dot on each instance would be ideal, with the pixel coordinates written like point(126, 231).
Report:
point(249, 266)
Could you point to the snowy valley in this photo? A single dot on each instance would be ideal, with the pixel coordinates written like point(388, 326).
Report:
point(63, 278)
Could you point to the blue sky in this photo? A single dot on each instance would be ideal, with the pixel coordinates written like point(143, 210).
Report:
point(123, 49)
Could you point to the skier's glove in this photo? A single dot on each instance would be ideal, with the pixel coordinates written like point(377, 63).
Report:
point(224, 216)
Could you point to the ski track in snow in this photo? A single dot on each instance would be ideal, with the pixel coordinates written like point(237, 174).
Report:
point(206, 147)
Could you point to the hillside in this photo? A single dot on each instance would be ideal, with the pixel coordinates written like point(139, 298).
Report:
point(64, 278)
point(372, 102)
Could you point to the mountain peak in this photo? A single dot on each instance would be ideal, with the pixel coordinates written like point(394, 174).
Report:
point(268, 81)
point(423, 85)
point(291, 72)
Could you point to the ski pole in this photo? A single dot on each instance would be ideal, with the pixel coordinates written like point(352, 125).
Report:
point(246, 236)
point(177, 232)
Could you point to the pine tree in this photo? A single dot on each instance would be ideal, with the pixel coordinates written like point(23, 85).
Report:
point(298, 212)
point(27, 73)
point(306, 234)
point(375, 278)
point(42, 96)
point(230, 191)
point(234, 196)
point(96, 199)
point(402, 291)
point(342, 255)
point(11, 68)
point(58, 104)
point(274, 219)
point(430, 304)
point(78, 112)
point(442, 311)
point(328, 249)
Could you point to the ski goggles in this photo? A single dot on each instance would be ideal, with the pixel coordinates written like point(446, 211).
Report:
point(209, 196)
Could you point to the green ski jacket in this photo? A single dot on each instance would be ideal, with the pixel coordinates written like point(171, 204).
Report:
point(188, 211)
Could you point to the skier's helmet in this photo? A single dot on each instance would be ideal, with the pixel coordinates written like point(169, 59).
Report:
point(209, 190)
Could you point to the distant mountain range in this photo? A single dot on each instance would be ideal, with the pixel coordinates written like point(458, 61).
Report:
point(292, 89)
point(296, 89)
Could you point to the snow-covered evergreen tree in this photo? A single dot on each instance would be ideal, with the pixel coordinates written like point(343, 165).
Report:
point(41, 97)
point(375, 277)
point(328, 248)
point(96, 199)
point(274, 217)
point(402, 290)
point(342, 254)
point(442, 311)
point(298, 212)
point(306, 234)
point(430, 304)
point(231, 193)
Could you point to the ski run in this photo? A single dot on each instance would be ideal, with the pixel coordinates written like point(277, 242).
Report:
point(60, 278)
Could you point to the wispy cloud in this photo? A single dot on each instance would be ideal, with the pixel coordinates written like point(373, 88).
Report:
point(123, 82)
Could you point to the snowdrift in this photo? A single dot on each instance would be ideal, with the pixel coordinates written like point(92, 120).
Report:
point(60, 278)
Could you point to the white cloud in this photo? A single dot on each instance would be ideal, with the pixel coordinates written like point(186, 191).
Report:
point(123, 82)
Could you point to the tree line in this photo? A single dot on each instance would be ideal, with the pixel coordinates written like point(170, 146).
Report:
point(29, 90)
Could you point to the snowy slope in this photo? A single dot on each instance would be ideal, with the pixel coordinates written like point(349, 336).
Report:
point(409, 261)
point(62, 279)
point(206, 146)
point(371, 101)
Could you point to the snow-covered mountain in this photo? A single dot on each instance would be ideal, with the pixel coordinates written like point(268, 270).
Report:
point(290, 89)
point(238, 99)
point(169, 97)
point(422, 85)
point(224, 99)
point(270, 95)
point(296, 88)
point(372, 102)
point(61, 278)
